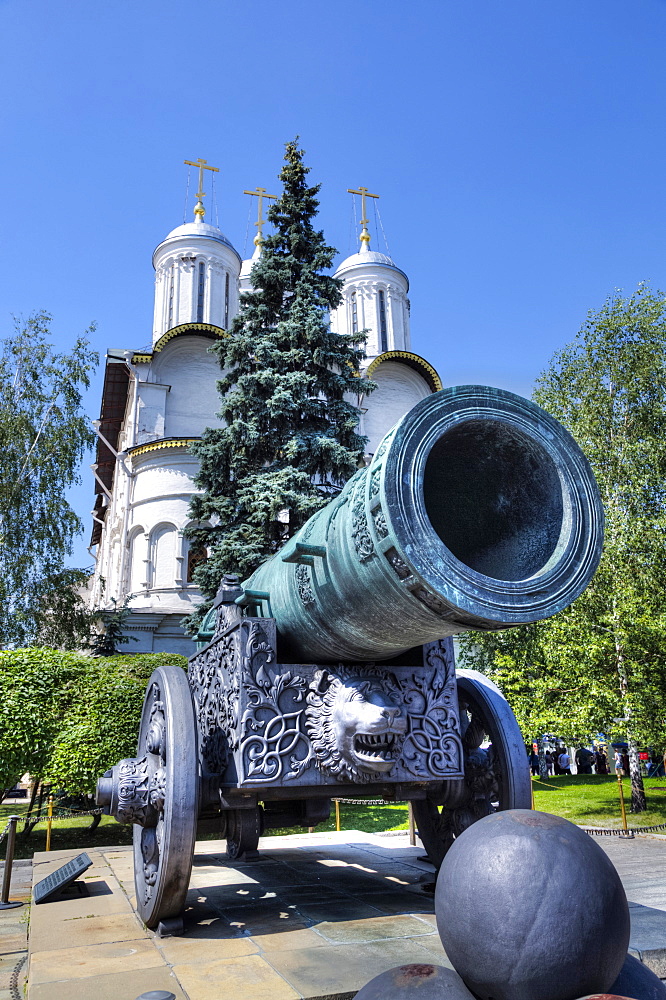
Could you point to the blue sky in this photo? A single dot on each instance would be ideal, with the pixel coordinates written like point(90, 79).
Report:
point(518, 147)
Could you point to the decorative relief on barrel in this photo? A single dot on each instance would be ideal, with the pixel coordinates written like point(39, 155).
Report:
point(360, 532)
point(384, 444)
point(433, 602)
point(304, 585)
point(398, 564)
point(432, 747)
point(375, 481)
point(379, 518)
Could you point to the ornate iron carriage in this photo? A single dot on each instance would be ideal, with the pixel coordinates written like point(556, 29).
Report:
point(331, 670)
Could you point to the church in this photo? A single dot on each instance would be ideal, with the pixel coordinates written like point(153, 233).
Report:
point(158, 399)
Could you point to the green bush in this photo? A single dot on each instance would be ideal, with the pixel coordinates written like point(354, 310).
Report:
point(67, 717)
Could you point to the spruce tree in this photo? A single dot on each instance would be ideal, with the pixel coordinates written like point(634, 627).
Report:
point(290, 439)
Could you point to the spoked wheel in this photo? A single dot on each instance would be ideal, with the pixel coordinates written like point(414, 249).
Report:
point(244, 827)
point(164, 844)
point(496, 777)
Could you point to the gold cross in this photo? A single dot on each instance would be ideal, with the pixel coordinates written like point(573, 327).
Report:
point(199, 210)
point(364, 193)
point(260, 194)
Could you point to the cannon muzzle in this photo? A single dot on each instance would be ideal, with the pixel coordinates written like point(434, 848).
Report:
point(478, 511)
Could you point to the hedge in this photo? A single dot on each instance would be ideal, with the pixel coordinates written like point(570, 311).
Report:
point(67, 717)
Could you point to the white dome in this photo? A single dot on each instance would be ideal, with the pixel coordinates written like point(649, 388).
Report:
point(202, 229)
point(367, 258)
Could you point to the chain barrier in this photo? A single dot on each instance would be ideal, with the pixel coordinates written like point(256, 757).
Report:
point(61, 817)
point(372, 802)
point(4, 832)
point(14, 979)
point(610, 832)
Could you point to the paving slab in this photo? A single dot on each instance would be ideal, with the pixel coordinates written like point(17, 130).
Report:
point(314, 918)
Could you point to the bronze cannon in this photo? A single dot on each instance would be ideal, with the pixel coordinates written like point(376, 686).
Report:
point(331, 670)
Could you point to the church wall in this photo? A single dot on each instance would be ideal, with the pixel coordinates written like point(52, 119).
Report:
point(191, 371)
point(163, 487)
point(399, 388)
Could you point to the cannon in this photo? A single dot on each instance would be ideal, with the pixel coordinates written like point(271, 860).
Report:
point(331, 671)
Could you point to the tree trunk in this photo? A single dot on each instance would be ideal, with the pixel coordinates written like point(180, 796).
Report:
point(638, 802)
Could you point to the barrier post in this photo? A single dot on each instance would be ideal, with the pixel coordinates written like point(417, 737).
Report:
point(5, 903)
point(337, 816)
point(412, 827)
point(49, 823)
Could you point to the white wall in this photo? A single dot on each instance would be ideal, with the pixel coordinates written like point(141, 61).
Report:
point(399, 388)
point(186, 365)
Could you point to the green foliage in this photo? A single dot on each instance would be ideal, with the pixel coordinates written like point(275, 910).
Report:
point(605, 656)
point(62, 618)
point(43, 436)
point(66, 717)
point(111, 635)
point(290, 439)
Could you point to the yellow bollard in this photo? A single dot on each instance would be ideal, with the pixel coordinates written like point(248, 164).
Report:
point(337, 817)
point(624, 811)
point(412, 827)
point(49, 822)
point(532, 791)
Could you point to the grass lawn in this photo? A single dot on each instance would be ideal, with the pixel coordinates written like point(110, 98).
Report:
point(593, 800)
point(590, 799)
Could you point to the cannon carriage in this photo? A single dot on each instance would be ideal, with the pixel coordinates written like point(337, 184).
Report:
point(331, 671)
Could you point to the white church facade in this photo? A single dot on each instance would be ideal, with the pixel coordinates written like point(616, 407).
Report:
point(158, 400)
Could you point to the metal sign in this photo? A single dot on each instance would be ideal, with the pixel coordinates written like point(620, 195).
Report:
point(57, 880)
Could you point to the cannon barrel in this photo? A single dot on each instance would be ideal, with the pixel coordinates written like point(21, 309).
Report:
point(478, 511)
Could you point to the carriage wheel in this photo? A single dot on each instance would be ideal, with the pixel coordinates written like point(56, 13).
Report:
point(164, 845)
point(244, 827)
point(495, 778)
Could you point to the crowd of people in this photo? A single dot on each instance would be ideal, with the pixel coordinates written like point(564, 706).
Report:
point(558, 761)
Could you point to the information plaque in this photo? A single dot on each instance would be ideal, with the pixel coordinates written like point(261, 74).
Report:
point(58, 880)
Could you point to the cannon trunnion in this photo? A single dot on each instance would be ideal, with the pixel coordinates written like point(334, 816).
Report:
point(331, 670)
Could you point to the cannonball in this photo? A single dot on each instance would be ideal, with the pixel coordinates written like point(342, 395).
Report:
point(520, 900)
point(638, 982)
point(416, 982)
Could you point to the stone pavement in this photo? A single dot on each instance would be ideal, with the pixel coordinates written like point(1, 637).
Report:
point(316, 917)
point(642, 866)
point(14, 934)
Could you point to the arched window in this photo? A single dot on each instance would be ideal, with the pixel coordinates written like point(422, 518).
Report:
point(171, 289)
point(226, 301)
point(383, 336)
point(138, 554)
point(200, 291)
point(197, 555)
point(354, 312)
point(164, 557)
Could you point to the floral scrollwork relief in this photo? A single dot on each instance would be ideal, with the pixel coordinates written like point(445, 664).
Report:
point(433, 747)
point(273, 743)
point(360, 531)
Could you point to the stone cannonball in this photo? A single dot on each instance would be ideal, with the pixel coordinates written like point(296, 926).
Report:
point(416, 982)
point(520, 898)
point(637, 981)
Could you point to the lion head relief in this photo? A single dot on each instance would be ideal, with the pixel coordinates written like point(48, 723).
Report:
point(355, 727)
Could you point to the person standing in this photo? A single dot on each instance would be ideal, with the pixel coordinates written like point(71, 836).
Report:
point(563, 762)
point(584, 758)
point(534, 763)
point(619, 763)
point(549, 763)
